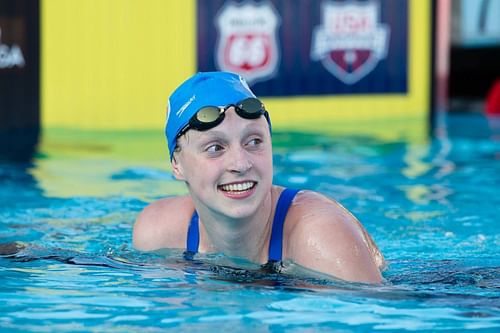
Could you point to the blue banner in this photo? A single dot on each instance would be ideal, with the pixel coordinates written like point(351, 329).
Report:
point(307, 47)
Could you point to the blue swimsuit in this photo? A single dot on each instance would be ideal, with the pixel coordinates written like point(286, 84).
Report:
point(276, 242)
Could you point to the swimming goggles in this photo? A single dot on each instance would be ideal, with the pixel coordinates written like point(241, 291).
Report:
point(210, 116)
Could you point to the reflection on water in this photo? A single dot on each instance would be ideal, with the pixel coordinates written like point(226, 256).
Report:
point(128, 286)
point(430, 205)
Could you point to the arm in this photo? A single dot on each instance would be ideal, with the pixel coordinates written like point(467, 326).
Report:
point(162, 224)
point(326, 238)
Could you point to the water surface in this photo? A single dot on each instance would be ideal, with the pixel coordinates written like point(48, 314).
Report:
point(431, 205)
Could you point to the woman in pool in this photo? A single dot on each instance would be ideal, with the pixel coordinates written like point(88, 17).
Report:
point(219, 138)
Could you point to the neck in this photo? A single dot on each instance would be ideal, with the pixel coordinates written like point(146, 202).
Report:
point(243, 238)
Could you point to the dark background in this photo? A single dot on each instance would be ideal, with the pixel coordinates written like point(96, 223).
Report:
point(20, 87)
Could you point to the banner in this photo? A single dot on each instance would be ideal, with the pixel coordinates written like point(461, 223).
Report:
point(354, 66)
point(307, 47)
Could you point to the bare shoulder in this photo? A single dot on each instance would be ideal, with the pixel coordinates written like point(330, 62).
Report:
point(163, 224)
point(324, 236)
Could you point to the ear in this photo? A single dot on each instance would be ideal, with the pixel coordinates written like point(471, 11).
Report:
point(177, 169)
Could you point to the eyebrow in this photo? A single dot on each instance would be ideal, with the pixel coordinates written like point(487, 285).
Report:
point(254, 129)
point(211, 134)
point(215, 133)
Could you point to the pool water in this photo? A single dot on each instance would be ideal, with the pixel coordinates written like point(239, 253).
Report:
point(431, 206)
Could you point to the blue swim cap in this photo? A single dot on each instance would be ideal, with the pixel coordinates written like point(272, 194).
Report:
point(202, 89)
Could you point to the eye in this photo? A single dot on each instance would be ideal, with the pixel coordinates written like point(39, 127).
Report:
point(214, 148)
point(254, 143)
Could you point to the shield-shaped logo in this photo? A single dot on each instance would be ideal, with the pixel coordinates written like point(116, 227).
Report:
point(247, 42)
point(351, 40)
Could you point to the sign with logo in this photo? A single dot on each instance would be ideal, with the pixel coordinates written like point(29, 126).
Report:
point(247, 40)
point(19, 78)
point(11, 54)
point(307, 47)
point(350, 40)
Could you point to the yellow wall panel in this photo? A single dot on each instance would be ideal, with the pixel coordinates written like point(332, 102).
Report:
point(112, 63)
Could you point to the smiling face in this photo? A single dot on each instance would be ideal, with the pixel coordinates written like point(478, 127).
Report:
point(228, 169)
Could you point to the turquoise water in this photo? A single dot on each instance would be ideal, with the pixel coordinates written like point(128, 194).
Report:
point(432, 207)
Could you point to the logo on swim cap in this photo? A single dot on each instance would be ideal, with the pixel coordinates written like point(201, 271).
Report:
point(185, 106)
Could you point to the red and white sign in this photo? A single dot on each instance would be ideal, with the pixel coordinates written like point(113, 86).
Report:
point(351, 40)
point(247, 42)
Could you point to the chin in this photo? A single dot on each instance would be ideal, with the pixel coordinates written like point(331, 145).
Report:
point(241, 211)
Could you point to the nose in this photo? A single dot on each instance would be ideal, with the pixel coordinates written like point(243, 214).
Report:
point(239, 161)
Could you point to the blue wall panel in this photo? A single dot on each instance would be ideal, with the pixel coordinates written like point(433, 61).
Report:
point(290, 63)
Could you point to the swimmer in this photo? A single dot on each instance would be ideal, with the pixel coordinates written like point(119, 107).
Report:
point(219, 139)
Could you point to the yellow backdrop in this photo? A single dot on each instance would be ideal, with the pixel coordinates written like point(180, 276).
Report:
point(112, 64)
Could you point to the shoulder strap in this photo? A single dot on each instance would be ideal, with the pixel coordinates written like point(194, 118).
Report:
point(193, 235)
point(276, 242)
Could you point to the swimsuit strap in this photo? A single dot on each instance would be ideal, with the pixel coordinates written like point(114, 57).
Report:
point(193, 236)
point(276, 242)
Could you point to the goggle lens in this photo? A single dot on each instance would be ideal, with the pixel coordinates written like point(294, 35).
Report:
point(250, 108)
point(208, 114)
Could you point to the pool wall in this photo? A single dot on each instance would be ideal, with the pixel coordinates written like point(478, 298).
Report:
point(112, 64)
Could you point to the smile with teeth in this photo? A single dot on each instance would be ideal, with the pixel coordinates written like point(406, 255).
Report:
point(239, 187)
